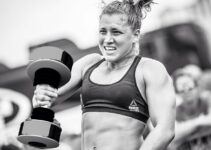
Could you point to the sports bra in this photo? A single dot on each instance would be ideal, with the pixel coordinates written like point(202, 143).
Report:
point(122, 97)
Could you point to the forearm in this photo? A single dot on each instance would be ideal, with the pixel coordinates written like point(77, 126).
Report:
point(64, 93)
point(158, 139)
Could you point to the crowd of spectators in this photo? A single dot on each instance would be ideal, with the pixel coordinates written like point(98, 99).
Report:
point(193, 112)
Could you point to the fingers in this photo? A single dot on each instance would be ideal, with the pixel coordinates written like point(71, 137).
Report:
point(46, 87)
point(44, 96)
point(45, 104)
point(42, 101)
point(46, 90)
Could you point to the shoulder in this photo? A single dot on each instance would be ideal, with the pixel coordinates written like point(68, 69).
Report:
point(88, 60)
point(153, 69)
point(148, 63)
point(81, 65)
point(94, 57)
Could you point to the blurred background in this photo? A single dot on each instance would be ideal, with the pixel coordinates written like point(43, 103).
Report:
point(175, 32)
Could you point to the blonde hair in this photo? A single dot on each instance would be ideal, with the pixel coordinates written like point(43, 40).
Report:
point(134, 11)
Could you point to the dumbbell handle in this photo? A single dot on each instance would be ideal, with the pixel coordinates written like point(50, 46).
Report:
point(36, 104)
point(47, 76)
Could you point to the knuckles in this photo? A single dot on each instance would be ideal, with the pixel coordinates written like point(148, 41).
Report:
point(43, 97)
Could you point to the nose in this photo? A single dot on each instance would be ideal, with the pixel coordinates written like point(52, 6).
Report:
point(109, 38)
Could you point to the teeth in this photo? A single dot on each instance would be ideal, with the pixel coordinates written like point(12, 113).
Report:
point(109, 48)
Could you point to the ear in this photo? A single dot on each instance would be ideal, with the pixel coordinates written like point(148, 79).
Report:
point(136, 35)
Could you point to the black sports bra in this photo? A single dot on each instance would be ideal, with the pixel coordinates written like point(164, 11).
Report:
point(122, 97)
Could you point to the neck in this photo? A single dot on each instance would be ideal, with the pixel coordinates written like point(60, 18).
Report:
point(122, 63)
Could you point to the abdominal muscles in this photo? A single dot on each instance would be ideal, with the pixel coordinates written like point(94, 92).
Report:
point(109, 131)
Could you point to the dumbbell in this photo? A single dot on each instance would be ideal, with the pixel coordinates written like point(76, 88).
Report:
point(52, 66)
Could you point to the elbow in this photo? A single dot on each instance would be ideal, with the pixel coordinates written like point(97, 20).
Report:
point(167, 133)
point(170, 134)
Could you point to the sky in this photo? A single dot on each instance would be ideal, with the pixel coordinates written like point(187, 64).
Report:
point(25, 23)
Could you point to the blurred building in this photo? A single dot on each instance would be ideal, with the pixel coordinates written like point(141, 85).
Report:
point(177, 45)
point(182, 37)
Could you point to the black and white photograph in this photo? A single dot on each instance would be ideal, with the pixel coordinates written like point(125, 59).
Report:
point(105, 74)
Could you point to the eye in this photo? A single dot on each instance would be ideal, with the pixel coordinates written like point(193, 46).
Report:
point(102, 31)
point(116, 32)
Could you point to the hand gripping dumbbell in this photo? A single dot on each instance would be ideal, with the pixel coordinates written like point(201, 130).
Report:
point(52, 66)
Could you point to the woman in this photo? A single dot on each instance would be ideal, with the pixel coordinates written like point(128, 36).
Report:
point(120, 90)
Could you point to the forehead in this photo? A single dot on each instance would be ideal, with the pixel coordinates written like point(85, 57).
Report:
point(114, 20)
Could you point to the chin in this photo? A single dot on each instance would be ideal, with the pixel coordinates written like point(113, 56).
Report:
point(110, 58)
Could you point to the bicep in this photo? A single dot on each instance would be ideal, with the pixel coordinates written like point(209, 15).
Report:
point(73, 84)
point(77, 72)
point(160, 96)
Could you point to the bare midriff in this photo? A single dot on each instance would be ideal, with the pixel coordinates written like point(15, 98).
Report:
point(110, 131)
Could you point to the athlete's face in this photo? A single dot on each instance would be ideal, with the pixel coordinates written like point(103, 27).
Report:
point(186, 88)
point(116, 38)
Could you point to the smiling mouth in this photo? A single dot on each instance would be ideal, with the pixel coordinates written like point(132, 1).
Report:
point(109, 48)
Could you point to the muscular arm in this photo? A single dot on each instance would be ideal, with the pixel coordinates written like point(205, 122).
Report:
point(47, 96)
point(161, 102)
point(77, 72)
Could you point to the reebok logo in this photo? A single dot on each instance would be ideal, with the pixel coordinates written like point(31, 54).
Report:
point(133, 106)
